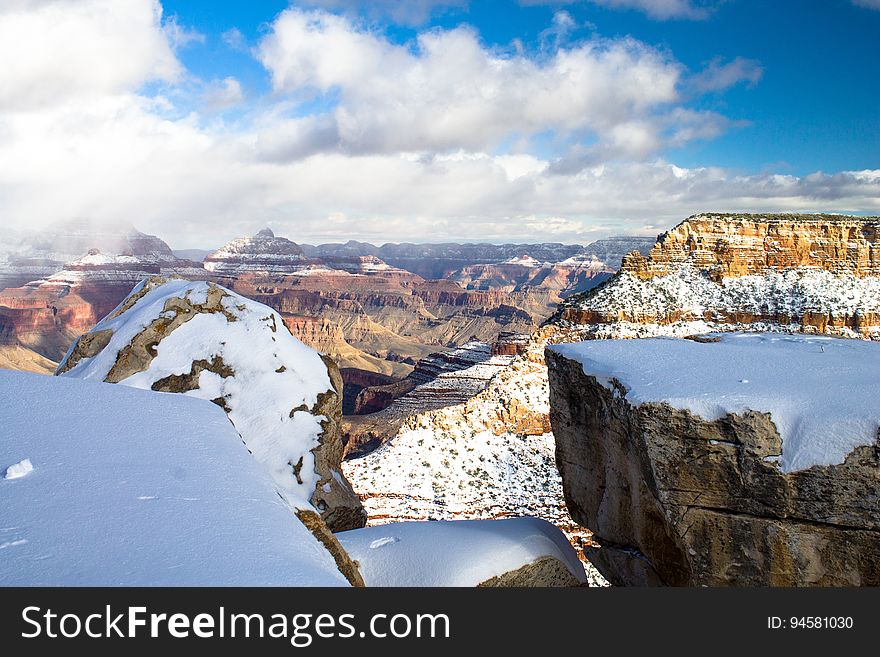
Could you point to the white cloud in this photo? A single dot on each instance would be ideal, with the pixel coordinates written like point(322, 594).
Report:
point(180, 36)
point(58, 50)
point(420, 169)
point(656, 9)
point(234, 38)
point(870, 4)
point(718, 76)
point(449, 91)
point(223, 94)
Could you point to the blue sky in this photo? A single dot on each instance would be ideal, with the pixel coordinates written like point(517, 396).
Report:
point(487, 120)
point(816, 107)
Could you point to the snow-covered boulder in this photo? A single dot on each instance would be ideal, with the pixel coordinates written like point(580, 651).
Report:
point(511, 552)
point(729, 459)
point(112, 486)
point(201, 340)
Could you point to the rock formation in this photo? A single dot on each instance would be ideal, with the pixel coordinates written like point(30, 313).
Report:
point(37, 255)
point(202, 340)
point(676, 499)
point(731, 245)
point(546, 572)
point(262, 254)
point(438, 380)
point(438, 261)
point(817, 273)
point(46, 314)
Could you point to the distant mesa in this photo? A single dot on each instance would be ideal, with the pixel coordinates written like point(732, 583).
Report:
point(264, 253)
point(713, 271)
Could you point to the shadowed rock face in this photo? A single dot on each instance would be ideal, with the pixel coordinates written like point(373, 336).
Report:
point(677, 500)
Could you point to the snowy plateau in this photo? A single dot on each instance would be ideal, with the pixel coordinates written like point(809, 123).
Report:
point(821, 392)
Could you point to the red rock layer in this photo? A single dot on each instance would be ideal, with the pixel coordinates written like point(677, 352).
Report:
point(737, 245)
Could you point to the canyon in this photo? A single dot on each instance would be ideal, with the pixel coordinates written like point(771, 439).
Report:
point(809, 272)
point(447, 400)
point(683, 297)
point(372, 317)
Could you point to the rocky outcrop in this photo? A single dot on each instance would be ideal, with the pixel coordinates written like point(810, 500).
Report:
point(813, 273)
point(730, 245)
point(675, 499)
point(47, 314)
point(263, 253)
point(199, 339)
point(38, 255)
point(546, 572)
point(439, 380)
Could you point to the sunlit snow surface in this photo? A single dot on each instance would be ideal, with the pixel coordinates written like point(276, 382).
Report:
point(274, 374)
point(138, 488)
point(456, 553)
point(822, 393)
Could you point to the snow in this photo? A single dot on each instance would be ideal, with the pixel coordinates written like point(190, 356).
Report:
point(525, 261)
point(454, 553)
point(584, 260)
point(274, 373)
point(97, 258)
point(138, 488)
point(19, 470)
point(691, 291)
point(462, 462)
point(821, 392)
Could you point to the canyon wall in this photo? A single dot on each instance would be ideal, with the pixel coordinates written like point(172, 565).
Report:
point(817, 273)
point(729, 245)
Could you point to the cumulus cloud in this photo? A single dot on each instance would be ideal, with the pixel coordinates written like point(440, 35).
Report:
point(424, 155)
point(656, 9)
point(869, 4)
point(449, 91)
point(57, 50)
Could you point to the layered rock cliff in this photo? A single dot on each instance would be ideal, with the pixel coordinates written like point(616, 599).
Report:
point(264, 253)
point(37, 255)
point(60, 301)
point(804, 272)
point(690, 474)
point(438, 380)
point(46, 315)
point(731, 245)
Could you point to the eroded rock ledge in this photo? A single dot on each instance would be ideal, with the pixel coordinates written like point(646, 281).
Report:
point(677, 500)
